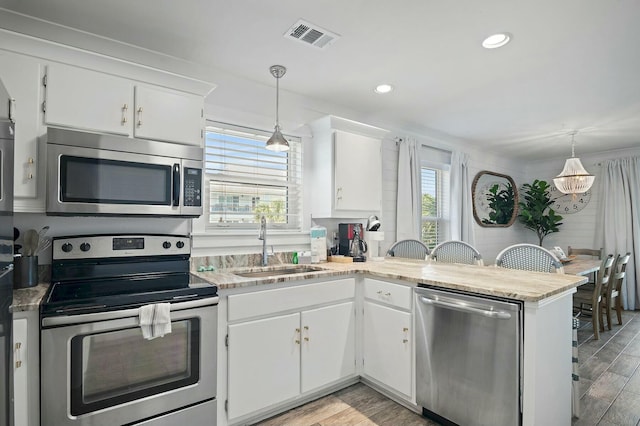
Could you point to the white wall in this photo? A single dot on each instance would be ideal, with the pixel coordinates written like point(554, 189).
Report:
point(578, 229)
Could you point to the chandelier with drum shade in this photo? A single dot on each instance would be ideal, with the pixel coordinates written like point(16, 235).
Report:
point(573, 179)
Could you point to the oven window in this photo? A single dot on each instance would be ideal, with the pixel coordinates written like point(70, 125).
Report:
point(92, 180)
point(115, 367)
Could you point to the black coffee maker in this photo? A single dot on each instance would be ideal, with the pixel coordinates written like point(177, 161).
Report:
point(351, 241)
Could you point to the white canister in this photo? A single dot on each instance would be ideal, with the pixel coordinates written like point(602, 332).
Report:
point(318, 243)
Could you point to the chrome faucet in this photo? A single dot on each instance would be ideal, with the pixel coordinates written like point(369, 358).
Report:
point(263, 236)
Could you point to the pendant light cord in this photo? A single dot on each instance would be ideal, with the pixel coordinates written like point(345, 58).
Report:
point(277, 100)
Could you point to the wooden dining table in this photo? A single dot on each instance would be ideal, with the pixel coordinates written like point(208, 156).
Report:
point(581, 266)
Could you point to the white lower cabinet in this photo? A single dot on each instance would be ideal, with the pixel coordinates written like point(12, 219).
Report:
point(387, 346)
point(26, 370)
point(293, 347)
point(264, 363)
point(387, 335)
point(328, 345)
point(20, 376)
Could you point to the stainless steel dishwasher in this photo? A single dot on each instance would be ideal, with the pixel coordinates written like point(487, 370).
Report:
point(468, 358)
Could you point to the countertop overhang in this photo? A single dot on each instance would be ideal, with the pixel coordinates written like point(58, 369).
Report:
point(487, 280)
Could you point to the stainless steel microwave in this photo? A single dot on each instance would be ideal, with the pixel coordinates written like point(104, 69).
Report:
point(95, 174)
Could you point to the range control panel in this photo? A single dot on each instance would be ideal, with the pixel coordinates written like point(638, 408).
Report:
point(105, 246)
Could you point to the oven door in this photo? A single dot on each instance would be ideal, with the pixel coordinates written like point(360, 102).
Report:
point(90, 181)
point(97, 369)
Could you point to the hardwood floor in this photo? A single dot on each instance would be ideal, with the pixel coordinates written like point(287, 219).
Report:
point(356, 405)
point(609, 388)
point(610, 373)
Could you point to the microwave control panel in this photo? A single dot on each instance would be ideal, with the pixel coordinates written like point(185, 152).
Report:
point(192, 187)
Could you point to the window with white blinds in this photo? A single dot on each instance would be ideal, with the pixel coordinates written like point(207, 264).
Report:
point(245, 180)
point(435, 221)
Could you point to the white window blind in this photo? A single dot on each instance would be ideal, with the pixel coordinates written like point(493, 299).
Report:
point(246, 180)
point(434, 205)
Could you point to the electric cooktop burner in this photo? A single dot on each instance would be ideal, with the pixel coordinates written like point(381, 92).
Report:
point(111, 272)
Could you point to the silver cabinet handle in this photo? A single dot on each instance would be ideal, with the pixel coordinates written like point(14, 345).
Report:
point(464, 308)
point(17, 354)
point(125, 108)
point(139, 116)
point(12, 110)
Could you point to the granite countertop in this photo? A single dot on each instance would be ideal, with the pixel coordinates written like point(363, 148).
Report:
point(488, 280)
point(28, 299)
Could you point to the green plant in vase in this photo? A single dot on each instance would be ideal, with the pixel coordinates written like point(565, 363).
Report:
point(501, 203)
point(535, 212)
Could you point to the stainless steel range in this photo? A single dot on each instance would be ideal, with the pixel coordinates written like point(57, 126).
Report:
point(97, 368)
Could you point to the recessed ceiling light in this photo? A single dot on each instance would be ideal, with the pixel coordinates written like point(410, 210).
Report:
point(496, 40)
point(383, 88)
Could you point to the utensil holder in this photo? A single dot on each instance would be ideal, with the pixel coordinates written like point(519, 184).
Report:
point(25, 271)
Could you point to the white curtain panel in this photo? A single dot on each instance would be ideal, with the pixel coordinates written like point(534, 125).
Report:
point(409, 205)
point(619, 219)
point(461, 204)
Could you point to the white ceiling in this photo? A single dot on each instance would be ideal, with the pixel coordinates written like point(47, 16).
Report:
point(572, 64)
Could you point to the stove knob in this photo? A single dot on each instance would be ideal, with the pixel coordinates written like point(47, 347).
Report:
point(67, 247)
point(85, 246)
point(166, 244)
point(179, 244)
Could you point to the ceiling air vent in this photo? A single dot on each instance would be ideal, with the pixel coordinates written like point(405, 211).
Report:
point(313, 35)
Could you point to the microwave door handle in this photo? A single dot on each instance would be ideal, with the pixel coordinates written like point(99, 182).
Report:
point(176, 184)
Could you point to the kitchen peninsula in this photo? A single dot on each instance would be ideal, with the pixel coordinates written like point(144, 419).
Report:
point(259, 302)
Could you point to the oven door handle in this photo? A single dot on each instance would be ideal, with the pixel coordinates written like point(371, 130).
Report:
point(124, 313)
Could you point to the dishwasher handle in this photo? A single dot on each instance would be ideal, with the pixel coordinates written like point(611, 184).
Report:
point(465, 308)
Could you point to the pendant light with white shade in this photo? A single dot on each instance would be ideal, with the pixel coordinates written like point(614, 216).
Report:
point(573, 179)
point(277, 142)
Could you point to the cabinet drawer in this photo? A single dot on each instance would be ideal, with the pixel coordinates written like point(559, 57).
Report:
point(391, 294)
point(266, 302)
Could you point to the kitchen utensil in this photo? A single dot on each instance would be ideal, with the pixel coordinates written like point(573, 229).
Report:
point(42, 232)
point(30, 242)
point(43, 245)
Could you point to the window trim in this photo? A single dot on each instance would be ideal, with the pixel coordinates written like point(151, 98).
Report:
point(249, 228)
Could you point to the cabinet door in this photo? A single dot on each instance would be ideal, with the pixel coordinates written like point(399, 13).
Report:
point(168, 115)
point(20, 377)
point(264, 363)
point(21, 77)
point(358, 172)
point(328, 345)
point(387, 346)
point(89, 100)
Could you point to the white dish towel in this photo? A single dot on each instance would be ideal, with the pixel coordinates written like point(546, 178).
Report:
point(155, 320)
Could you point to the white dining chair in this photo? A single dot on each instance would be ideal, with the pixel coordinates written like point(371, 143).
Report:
point(412, 249)
point(529, 257)
point(456, 252)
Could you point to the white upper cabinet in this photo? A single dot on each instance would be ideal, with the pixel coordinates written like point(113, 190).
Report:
point(94, 101)
point(21, 77)
point(168, 115)
point(358, 173)
point(88, 100)
point(346, 168)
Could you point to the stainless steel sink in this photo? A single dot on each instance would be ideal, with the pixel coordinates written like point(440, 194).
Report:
point(278, 272)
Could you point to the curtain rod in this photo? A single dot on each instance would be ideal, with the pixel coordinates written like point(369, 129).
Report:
point(399, 140)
